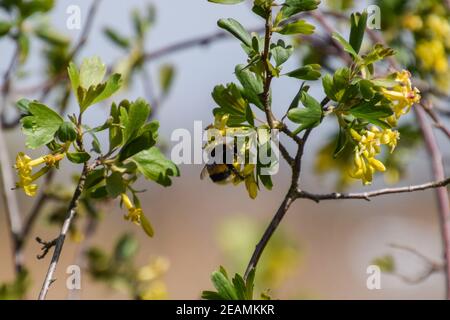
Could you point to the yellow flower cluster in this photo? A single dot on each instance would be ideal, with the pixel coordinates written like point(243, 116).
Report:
point(432, 55)
point(24, 167)
point(156, 289)
point(403, 96)
point(432, 49)
point(368, 147)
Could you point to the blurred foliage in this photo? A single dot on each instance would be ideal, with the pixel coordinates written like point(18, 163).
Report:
point(118, 270)
point(280, 260)
point(420, 31)
point(134, 46)
point(17, 289)
point(385, 263)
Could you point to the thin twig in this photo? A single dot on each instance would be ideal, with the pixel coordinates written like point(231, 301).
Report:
point(437, 122)
point(301, 194)
point(71, 212)
point(431, 267)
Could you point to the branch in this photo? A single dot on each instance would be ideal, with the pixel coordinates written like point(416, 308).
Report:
point(437, 166)
point(59, 241)
point(437, 122)
point(431, 266)
point(301, 194)
point(7, 178)
point(441, 193)
point(56, 80)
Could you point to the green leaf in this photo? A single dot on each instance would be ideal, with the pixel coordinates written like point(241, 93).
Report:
point(252, 85)
point(23, 105)
point(378, 52)
point(239, 287)
point(358, 28)
point(280, 52)
point(4, 28)
point(211, 295)
point(328, 86)
point(250, 284)
point(309, 72)
point(78, 157)
point(107, 90)
point(92, 72)
point(366, 88)
point(226, 1)
point(40, 127)
point(24, 47)
point(94, 178)
point(74, 77)
point(236, 29)
point(146, 226)
point(67, 132)
point(223, 286)
point(370, 111)
point(143, 142)
point(155, 166)
point(134, 118)
point(166, 76)
point(297, 27)
point(230, 99)
point(126, 248)
point(117, 38)
point(292, 7)
point(345, 45)
point(308, 117)
point(115, 185)
point(385, 263)
point(99, 193)
point(341, 142)
point(51, 36)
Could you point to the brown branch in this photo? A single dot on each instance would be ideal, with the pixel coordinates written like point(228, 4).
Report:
point(437, 167)
point(432, 267)
point(441, 193)
point(426, 105)
point(301, 194)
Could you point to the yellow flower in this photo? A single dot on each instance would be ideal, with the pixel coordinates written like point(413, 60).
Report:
point(134, 214)
point(412, 22)
point(155, 291)
point(154, 269)
point(403, 96)
point(390, 137)
point(368, 147)
point(24, 167)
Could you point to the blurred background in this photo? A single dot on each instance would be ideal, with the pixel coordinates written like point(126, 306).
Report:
point(322, 251)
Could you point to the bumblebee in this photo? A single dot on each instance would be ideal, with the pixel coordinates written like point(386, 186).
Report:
point(222, 173)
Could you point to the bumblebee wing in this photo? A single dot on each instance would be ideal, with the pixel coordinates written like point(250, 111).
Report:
point(204, 173)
